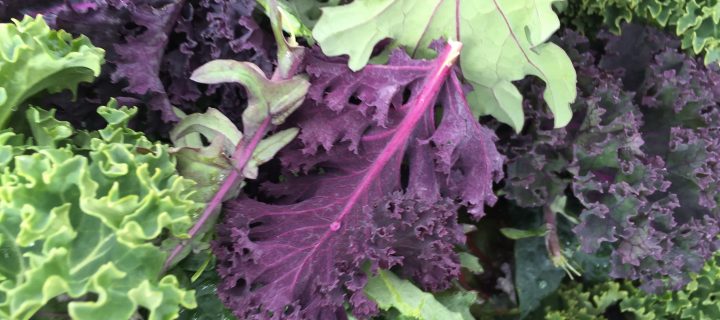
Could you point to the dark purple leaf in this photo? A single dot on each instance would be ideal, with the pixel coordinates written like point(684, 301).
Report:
point(304, 258)
point(152, 47)
point(644, 166)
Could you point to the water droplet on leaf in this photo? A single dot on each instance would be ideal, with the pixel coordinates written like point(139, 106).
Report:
point(542, 284)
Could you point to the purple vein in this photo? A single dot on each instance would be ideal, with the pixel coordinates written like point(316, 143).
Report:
point(395, 68)
point(377, 136)
point(280, 235)
point(436, 78)
point(427, 95)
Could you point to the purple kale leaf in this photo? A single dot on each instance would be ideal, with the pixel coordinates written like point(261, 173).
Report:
point(152, 47)
point(138, 57)
point(134, 35)
point(344, 203)
point(208, 30)
point(643, 163)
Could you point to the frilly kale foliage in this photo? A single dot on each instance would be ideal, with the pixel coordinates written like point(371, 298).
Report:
point(694, 21)
point(81, 217)
point(152, 48)
point(581, 303)
point(375, 208)
point(643, 163)
point(697, 300)
point(34, 58)
point(343, 203)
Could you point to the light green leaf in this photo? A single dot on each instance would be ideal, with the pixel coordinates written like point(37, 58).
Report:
point(277, 99)
point(210, 124)
point(459, 301)
point(82, 221)
point(503, 41)
point(295, 16)
point(470, 262)
point(697, 301)
point(34, 58)
point(49, 130)
point(3, 96)
point(516, 234)
point(209, 165)
point(307, 12)
point(267, 149)
point(558, 206)
point(391, 292)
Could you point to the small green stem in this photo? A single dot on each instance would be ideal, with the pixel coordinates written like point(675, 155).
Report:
point(552, 243)
point(289, 55)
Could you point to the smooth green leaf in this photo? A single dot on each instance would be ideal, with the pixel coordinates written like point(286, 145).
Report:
point(306, 11)
point(517, 234)
point(277, 99)
point(267, 149)
point(459, 301)
point(296, 15)
point(558, 206)
point(535, 275)
point(209, 165)
point(210, 124)
point(503, 41)
point(391, 292)
point(470, 262)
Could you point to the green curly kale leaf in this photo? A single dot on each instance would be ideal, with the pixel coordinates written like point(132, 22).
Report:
point(697, 301)
point(80, 216)
point(587, 303)
point(34, 58)
point(697, 22)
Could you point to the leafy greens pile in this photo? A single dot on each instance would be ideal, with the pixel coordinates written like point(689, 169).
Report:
point(384, 159)
point(642, 163)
